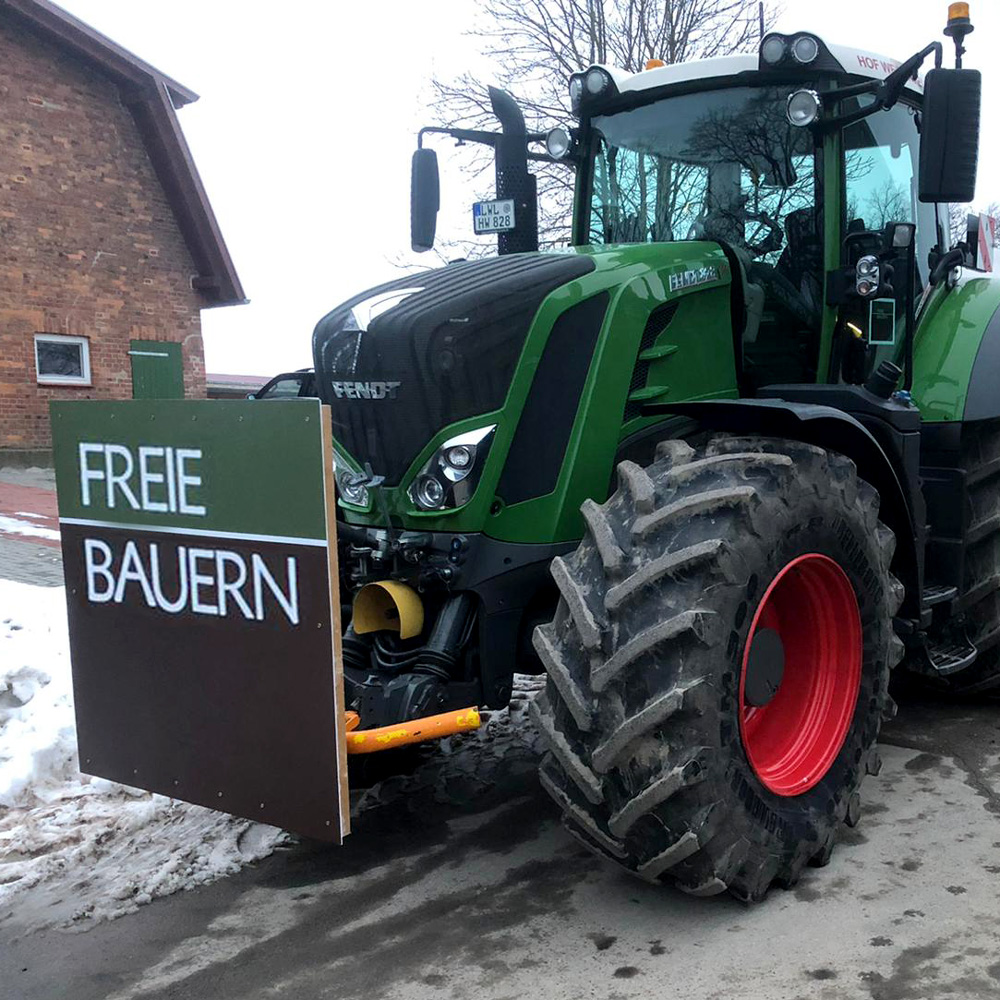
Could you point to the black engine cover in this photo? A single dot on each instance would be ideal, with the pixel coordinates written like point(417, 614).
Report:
point(401, 361)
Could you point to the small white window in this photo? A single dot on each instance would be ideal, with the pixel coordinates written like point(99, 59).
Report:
point(61, 360)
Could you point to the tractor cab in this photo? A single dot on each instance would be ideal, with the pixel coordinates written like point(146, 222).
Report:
point(797, 161)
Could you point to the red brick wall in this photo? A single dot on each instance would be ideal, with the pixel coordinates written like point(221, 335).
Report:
point(88, 243)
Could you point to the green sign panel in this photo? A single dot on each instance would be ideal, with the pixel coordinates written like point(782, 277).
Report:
point(200, 558)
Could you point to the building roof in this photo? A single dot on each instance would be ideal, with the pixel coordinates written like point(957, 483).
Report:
point(249, 382)
point(152, 97)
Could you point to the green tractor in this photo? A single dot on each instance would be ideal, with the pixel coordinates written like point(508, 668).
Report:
point(717, 467)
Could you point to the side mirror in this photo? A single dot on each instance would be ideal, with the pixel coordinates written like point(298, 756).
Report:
point(899, 236)
point(425, 198)
point(949, 140)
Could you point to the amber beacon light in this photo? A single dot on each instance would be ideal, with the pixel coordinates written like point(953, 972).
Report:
point(958, 17)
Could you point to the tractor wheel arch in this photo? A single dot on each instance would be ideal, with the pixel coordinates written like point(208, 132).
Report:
point(833, 430)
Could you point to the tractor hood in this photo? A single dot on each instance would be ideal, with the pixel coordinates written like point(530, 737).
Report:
point(400, 361)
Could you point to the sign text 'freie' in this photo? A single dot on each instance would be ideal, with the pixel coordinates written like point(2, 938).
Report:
point(169, 576)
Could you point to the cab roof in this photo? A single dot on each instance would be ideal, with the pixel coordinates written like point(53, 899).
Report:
point(852, 62)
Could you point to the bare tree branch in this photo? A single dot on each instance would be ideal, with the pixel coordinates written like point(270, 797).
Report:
point(537, 44)
point(958, 219)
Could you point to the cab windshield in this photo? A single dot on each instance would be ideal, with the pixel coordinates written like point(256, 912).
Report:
point(722, 165)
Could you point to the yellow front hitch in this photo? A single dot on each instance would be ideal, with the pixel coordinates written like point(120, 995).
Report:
point(432, 727)
point(393, 606)
point(388, 605)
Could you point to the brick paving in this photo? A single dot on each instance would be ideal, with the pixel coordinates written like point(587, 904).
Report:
point(25, 558)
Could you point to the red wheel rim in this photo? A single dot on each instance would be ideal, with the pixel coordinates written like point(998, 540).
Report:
point(792, 741)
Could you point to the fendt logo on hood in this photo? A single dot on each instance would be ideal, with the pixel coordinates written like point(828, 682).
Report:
point(365, 390)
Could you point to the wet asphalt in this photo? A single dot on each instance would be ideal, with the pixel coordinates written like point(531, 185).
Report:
point(462, 883)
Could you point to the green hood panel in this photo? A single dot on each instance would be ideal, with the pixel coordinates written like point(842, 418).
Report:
point(691, 359)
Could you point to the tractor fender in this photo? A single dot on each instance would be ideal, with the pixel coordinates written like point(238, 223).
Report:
point(982, 401)
point(835, 430)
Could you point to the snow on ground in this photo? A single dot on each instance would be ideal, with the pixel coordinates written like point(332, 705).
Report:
point(75, 848)
point(15, 526)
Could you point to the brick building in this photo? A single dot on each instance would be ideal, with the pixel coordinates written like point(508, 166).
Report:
point(109, 249)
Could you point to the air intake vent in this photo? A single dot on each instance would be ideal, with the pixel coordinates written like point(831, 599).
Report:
point(538, 450)
point(659, 320)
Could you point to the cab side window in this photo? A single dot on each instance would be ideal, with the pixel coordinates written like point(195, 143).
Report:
point(881, 164)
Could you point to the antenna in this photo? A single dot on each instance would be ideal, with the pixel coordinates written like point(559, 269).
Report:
point(760, 11)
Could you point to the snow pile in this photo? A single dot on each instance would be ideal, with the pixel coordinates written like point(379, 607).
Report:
point(15, 526)
point(88, 849)
point(75, 849)
point(36, 702)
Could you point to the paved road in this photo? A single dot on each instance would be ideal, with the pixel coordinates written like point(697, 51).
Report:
point(459, 882)
point(462, 883)
point(27, 504)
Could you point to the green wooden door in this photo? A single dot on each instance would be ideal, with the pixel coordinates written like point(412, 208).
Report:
point(157, 370)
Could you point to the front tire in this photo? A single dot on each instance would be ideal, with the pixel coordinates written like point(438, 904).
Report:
point(656, 760)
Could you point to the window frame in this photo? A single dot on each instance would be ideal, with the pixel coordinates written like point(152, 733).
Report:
point(84, 379)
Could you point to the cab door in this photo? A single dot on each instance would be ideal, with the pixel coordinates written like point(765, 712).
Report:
point(881, 156)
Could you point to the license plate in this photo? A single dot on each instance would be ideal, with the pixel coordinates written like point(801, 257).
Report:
point(493, 216)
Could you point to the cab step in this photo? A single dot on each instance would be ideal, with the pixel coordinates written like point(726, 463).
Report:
point(951, 657)
point(938, 594)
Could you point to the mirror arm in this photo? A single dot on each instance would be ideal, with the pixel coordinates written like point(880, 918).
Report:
point(892, 86)
point(855, 90)
point(461, 134)
point(952, 259)
point(886, 92)
point(545, 158)
point(842, 121)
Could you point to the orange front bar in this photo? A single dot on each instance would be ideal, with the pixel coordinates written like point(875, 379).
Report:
point(432, 727)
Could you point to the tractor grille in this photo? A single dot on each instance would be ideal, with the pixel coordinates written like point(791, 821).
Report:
point(398, 363)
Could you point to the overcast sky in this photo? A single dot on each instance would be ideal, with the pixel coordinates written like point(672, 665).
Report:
point(306, 124)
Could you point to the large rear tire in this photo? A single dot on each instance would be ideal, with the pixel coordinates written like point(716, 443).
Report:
point(658, 759)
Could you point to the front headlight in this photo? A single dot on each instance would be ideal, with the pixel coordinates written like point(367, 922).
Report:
point(558, 142)
point(805, 49)
point(593, 84)
point(803, 108)
point(867, 276)
point(450, 477)
point(773, 49)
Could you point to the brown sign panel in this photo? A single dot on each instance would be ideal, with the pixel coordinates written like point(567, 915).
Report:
point(203, 613)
